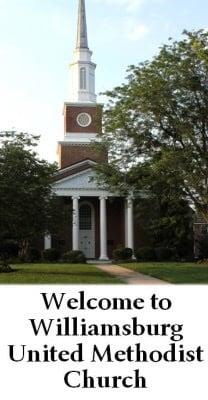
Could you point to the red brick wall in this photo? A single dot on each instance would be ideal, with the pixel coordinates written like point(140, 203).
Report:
point(70, 119)
point(71, 154)
point(116, 224)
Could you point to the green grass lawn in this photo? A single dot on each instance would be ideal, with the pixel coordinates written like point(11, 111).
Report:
point(56, 274)
point(189, 273)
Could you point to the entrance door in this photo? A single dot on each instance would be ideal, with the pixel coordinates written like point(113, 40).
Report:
point(87, 229)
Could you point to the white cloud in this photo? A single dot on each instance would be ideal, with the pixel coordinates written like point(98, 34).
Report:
point(137, 31)
point(132, 29)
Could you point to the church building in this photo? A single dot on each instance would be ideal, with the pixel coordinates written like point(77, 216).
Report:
point(100, 220)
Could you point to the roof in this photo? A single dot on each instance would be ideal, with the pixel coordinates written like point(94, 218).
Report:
point(82, 40)
point(74, 169)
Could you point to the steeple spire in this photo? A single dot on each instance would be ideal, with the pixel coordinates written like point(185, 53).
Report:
point(82, 41)
point(82, 69)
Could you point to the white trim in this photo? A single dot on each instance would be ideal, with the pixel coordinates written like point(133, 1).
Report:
point(73, 176)
point(75, 223)
point(130, 223)
point(74, 166)
point(82, 104)
point(82, 78)
point(77, 191)
point(103, 228)
point(75, 134)
point(83, 62)
point(126, 222)
point(78, 138)
point(79, 141)
point(200, 223)
point(83, 193)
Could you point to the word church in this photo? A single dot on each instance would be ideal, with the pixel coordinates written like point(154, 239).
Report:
point(100, 220)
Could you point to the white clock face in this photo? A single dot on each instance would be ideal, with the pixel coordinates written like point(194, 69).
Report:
point(84, 120)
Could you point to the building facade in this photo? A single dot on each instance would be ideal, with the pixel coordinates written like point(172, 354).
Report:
point(100, 220)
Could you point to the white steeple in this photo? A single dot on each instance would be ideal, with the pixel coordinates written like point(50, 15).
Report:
point(82, 69)
point(82, 41)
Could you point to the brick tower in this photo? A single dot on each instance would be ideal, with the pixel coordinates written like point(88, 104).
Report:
point(82, 115)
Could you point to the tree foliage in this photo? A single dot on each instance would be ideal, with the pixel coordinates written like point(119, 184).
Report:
point(156, 133)
point(157, 122)
point(26, 198)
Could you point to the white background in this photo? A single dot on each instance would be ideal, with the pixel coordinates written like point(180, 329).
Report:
point(46, 381)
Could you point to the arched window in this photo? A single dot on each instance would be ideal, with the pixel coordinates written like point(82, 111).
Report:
point(83, 78)
point(85, 217)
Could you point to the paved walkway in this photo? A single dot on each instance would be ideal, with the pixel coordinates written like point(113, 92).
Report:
point(129, 276)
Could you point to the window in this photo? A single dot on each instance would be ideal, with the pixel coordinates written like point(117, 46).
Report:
point(85, 217)
point(83, 79)
point(84, 119)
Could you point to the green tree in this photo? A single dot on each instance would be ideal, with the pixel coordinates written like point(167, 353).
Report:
point(27, 202)
point(157, 123)
point(165, 218)
point(156, 133)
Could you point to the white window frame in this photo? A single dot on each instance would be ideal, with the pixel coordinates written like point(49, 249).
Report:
point(83, 78)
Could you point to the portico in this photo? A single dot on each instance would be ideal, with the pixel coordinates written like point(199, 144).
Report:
point(93, 218)
point(83, 227)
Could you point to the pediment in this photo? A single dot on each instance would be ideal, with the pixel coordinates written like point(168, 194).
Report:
point(79, 179)
point(84, 180)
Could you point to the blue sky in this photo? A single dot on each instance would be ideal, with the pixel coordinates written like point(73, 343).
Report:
point(37, 38)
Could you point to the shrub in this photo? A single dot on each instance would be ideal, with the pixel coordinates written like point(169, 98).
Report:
point(34, 255)
point(146, 254)
point(51, 255)
point(127, 253)
point(163, 253)
point(203, 247)
point(9, 249)
point(5, 268)
point(117, 254)
point(184, 252)
point(122, 253)
point(74, 257)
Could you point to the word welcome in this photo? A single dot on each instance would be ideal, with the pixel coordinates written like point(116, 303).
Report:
point(81, 302)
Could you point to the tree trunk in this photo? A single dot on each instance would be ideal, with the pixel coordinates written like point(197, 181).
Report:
point(23, 252)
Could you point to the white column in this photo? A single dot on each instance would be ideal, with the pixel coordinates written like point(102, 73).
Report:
point(103, 229)
point(47, 242)
point(130, 224)
point(75, 223)
point(126, 221)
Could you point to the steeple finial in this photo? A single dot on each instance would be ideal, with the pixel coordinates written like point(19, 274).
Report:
point(82, 41)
